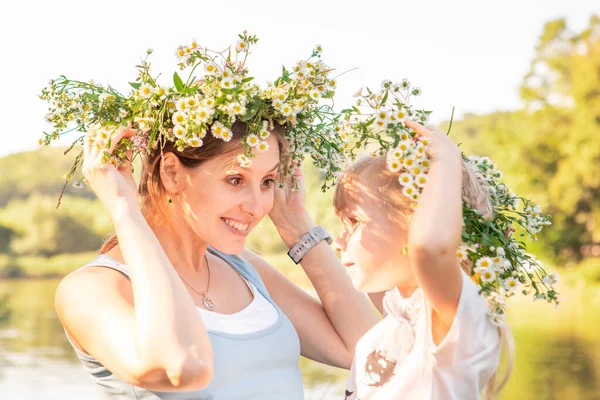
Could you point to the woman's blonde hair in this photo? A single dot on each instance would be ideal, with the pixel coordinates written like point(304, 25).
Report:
point(371, 174)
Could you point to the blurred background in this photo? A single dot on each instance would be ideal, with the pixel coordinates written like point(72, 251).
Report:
point(525, 83)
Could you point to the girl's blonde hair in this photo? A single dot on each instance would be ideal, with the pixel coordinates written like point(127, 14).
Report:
point(371, 174)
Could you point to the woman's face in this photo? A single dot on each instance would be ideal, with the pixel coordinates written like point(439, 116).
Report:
point(223, 207)
point(370, 243)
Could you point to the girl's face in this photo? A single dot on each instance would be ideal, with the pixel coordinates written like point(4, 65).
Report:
point(222, 207)
point(371, 243)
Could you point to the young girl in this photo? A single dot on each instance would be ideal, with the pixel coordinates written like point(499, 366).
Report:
point(436, 340)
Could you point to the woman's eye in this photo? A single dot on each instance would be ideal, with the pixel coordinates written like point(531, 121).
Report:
point(268, 182)
point(235, 181)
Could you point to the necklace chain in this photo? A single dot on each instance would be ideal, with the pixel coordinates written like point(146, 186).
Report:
point(208, 303)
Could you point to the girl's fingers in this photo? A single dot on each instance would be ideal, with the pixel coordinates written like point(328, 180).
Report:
point(417, 127)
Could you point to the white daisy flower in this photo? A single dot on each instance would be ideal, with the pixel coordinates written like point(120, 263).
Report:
point(217, 129)
point(211, 68)
point(195, 142)
point(415, 196)
point(408, 191)
point(286, 109)
point(208, 102)
point(241, 46)
point(204, 114)
point(417, 170)
point(179, 131)
point(408, 162)
point(178, 118)
point(227, 83)
point(252, 140)
point(396, 153)
point(511, 284)
point(145, 91)
point(461, 253)
point(421, 180)
point(406, 179)
point(264, 134)
point(403, 146)
point(263, 147)
point(487, 275)
point(394, 165)
point(314, 94)
point(484, 262)
point(181, 105)
point(227, 134)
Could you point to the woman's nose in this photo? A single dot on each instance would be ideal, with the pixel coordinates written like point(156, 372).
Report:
point(252, 202)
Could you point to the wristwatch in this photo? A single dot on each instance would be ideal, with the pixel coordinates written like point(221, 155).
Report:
point(307, 242)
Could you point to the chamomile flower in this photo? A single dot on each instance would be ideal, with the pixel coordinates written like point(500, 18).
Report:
point(178, 118)
point(394, 165)
point(421, 180)
point(217, 129)
point(226, 135)
point(145, 91)
point(396, 153)
point(262, 146)
point(406, 179)
point(252, 140)
point(403, 146)
point(511, 284)
point(211, 68)
point(408, 191)
point(462, 253)
point(487, 275)
point(179, 131)
point(195, 142)
point(241, 46)
point(484, 262)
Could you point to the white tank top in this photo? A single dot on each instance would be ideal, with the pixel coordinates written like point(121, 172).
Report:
point(256, 316)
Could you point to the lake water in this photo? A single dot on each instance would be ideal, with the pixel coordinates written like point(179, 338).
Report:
point(558, 352)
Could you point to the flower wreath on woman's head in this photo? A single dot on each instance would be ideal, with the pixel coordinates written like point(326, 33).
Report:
point(207, 105)
point(498, 262)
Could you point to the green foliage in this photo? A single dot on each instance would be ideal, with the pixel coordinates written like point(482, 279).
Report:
point(44, 230)
point(40, 171)
point(550, 150)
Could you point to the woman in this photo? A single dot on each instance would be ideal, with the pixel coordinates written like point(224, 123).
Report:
point(176, 308)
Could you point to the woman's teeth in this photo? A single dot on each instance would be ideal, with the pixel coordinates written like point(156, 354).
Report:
point(240, 227)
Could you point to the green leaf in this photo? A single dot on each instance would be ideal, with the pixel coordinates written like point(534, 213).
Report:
point(135, 85)
point(248, 79)
point(177, 82)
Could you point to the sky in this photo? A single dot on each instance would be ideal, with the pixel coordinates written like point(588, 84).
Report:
point(467, 54)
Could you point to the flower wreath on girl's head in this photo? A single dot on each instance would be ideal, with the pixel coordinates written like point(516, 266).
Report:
point(208, 104)
point(498, 261)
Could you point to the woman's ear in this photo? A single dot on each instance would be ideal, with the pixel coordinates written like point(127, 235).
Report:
point(170, 172)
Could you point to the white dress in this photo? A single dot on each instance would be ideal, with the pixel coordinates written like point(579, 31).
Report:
point(397, 358)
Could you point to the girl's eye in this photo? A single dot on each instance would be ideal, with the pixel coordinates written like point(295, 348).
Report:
point(235, 181)
point(268, 182)
point(353, 221)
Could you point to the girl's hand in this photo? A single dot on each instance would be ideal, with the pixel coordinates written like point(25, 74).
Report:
point(442, 148)
point(114, 186)
point(289, 212)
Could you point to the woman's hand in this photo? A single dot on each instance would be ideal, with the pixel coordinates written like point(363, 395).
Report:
point(289, 212)
point(114, 186)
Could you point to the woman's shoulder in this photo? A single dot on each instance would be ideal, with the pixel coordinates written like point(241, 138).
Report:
point(87, 282)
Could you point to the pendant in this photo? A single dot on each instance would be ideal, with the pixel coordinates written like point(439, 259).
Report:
point(208, 303)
